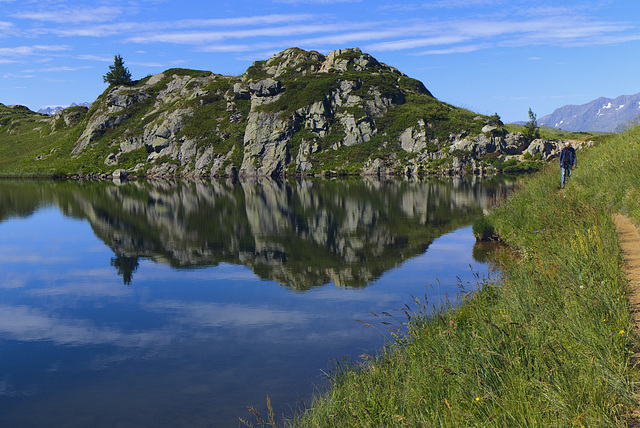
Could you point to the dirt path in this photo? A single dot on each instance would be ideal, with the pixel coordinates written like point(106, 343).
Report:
point(630, 243)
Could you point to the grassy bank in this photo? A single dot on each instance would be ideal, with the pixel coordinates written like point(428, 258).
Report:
point(547, 345)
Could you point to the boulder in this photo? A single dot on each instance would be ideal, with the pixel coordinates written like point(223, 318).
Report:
point(265, 88)
point(513, 144)
point(546, 148)
point(120, 174)
point(414, 139)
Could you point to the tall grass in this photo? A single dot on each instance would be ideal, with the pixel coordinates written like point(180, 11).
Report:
point(546, 345)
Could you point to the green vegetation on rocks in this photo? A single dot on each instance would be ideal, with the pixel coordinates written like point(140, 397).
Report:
point(297, 113)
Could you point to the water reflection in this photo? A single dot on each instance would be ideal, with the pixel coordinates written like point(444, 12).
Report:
point(300, 234)
point(203, 331)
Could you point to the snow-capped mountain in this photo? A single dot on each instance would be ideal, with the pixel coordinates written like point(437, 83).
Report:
point(51, 110)
point(602, 114)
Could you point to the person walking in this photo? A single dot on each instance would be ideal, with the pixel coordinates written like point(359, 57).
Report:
point(568, 160)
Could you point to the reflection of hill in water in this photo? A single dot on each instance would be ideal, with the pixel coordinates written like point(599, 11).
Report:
point(300, 234)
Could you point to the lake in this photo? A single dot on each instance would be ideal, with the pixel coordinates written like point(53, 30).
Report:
point(170, 304)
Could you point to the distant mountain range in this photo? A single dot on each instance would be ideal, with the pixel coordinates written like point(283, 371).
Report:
point(53, 110)
point(602, 114)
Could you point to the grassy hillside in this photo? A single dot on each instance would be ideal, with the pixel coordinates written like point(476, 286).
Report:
point(297, 113)
point(548, 345)
point(555, 133)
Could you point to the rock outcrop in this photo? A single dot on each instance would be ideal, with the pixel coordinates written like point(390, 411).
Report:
point(297, 113)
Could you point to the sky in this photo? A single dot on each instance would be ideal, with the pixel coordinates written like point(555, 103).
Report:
point(489, 56)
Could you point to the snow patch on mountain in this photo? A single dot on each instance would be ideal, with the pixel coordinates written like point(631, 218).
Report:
point(602, 114)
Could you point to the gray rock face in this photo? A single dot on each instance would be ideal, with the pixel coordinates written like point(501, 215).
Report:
point(513, 144)
point(414, 139)
point(547, 149)
point(159, 135)
point(265, 144)
point(98, 124)
point(356, 131)
point(123, 97)
point(290, 58)
point(265, 88)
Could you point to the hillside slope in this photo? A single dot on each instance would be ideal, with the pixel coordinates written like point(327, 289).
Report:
point(298, 113)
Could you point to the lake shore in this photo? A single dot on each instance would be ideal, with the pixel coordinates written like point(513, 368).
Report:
point(549, 344)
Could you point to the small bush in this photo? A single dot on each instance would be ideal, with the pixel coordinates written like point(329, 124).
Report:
point(483, 229)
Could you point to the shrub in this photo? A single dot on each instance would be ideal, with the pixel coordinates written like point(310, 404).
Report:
point(483, 229)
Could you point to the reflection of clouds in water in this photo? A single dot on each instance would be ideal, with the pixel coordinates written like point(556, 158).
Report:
point(9, 256)
point(8, 389)
point(11, 282)
point(232, 315)
point(84, 289)
point(149, 270)
point(27, 324)
point(339, 294)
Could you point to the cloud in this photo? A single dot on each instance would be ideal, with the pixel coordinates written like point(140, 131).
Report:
point(416, 43)
point(295, 2)
point(72, 15)
point(130, 27)
point(146, 64)
point(6, 26)
point(57, 69)
point(459, 4)
point(347, 39)
point(101, 58)
point(456, 50)
point(204, 37)
point(22, 51)
point(243, 21)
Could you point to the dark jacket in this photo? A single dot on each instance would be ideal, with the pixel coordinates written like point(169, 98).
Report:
point(568, 157)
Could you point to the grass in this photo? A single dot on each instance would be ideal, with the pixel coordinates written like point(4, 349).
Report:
point(550, 133)
point(548, 344)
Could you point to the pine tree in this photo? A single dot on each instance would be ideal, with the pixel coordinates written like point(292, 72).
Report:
point(531, 130)
point(118, 74)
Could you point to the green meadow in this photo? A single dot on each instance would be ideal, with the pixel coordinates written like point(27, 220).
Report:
point(548, 344)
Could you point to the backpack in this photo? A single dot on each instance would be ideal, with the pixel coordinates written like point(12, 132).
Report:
point(567, 159)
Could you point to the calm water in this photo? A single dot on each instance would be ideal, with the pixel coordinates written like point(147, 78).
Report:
point(155, 304)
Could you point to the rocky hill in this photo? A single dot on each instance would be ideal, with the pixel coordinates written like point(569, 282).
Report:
point(602, 114)
point(297, 113)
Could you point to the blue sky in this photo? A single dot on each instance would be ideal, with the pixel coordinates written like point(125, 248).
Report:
point(490, 56)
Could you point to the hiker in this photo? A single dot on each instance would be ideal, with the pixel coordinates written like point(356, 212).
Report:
point(568, 160)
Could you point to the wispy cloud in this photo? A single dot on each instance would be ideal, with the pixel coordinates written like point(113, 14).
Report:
point(294, 2)
point(418, 43)
point(23, 51)
point(101, 58)
point(203, 37)
point(72, 15)
point(6, 26)
point(456, 50)
point(57, 69)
